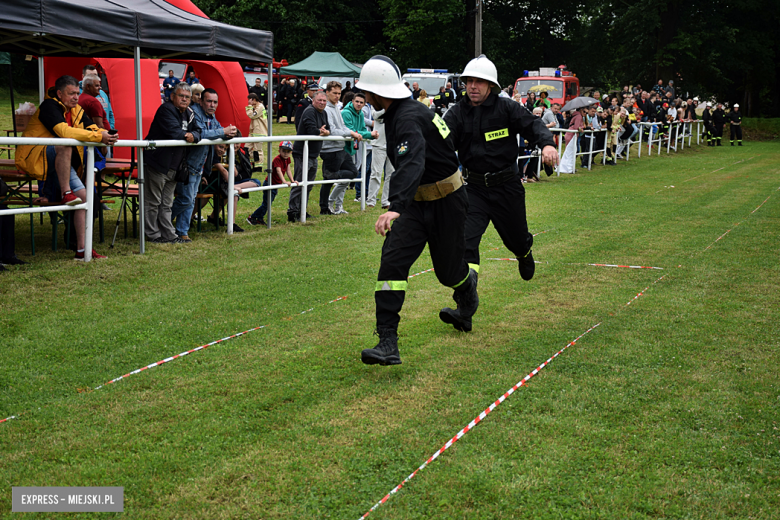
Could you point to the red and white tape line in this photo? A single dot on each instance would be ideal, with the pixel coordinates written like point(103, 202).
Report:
point(490, 408)
point(476, 421)
point(738, 223)
point(418, 274)
point(177, 356)
point(596, 265)
point(625, 266)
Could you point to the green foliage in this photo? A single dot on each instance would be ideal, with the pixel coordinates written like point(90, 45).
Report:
point(723, 49)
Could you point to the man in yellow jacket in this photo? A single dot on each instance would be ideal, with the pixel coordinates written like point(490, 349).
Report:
point(59, 166)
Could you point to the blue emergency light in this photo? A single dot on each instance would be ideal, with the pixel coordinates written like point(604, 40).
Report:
point(428, 71)
point(525, 73)
point(557, 73)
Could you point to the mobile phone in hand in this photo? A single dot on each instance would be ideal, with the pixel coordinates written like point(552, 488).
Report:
point(113, 131)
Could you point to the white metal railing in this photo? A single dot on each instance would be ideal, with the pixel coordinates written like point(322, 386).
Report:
point(590, 151)
point(88, 205)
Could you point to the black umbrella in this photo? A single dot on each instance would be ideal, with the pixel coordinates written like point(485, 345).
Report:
point(579, 102)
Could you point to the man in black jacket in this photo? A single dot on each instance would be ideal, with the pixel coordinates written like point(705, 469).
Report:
point(305, 102)
point(260, 91)
point(427, 203)
point(706, 117)
point(173, 120)
point(485, 129)
point(718, 120)
point(313, 122)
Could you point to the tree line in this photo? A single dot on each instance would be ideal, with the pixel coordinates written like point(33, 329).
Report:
point(721, 49)
point(729, 50)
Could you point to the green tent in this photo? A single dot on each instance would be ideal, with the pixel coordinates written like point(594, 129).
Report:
point(323, 64)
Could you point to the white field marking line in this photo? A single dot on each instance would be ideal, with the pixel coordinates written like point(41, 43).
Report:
point(738, 223)
point(490, 408)
point(719, 169)
point(177, 356)
point(515, 260)
point(595, 265)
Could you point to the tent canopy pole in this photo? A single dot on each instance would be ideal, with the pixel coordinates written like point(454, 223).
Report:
point(139, 135)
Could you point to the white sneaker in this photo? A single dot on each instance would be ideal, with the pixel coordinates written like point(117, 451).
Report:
point(341, 211)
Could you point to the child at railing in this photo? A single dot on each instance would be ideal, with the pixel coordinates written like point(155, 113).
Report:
point(281, 167)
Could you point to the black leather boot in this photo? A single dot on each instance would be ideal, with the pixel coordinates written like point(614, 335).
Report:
point(468, 300)
point(386, 351)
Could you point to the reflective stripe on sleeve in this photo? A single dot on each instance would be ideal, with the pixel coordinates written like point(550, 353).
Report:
point(475, 267)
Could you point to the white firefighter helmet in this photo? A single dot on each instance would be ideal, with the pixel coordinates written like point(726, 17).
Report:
point(381, 76)
point(481, 67)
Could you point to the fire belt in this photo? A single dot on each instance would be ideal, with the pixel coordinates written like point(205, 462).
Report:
point(439, 190)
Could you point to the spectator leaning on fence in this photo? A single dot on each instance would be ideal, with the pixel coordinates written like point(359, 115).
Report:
point(314, 121)
point(336, 163)
point(58, 166)
point(175, 120)
point(196, 157)
point(355, 120)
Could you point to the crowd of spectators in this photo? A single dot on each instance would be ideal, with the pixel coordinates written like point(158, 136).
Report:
point(176, 175)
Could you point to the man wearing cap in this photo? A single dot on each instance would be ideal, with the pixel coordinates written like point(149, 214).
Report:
point(305, 101)
point(735, 118)
point(484, 130)
point(718, 120)
point(427, 203)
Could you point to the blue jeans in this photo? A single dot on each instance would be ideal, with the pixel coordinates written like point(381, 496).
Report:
point(184, 203)
point(263, 209)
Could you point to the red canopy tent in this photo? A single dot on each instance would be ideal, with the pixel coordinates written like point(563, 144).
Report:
point(226, 78)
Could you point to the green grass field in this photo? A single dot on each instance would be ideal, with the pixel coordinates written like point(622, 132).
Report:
point(670, 408)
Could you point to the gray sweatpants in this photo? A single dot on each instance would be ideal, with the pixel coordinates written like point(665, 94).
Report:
point(158, 202)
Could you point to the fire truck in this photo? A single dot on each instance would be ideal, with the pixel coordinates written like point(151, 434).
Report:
point(562, 85)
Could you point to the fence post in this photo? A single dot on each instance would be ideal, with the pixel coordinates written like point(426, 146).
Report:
point(305, 180)
point(231, 187)
point(641, 131)
point(604, 152)
point(590, 153)
point(363, 176)
point(90, 202)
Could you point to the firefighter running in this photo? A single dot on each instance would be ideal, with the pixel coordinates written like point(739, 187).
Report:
point(427, 203)
point(484, 128)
